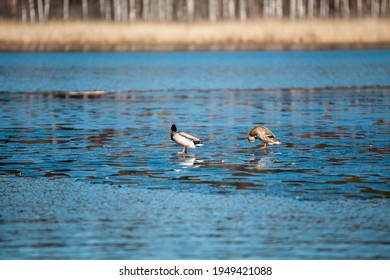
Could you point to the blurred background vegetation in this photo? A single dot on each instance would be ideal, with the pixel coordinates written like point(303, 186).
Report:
point(190, 10)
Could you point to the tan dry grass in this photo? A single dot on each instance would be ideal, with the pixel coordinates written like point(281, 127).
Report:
point(262, 34)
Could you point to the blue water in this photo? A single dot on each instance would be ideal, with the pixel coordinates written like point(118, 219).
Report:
point(203, 70)
point(97, 176)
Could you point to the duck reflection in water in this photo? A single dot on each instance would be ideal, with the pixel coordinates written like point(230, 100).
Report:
point(263, 163)
point(191, 161)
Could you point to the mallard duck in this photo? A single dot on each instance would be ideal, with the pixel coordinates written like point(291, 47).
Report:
point(184, 139)
point(264, 134)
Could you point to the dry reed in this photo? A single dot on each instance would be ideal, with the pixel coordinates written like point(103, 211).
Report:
point(261, 34)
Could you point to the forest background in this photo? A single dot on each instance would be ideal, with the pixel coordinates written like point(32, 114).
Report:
point(133, 25)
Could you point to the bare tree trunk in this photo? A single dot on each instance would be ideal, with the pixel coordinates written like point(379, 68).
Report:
point(231, 9)
point(169, 10)
point(153, 10)
point(243, 6)
point(274, 8)
point(359, 5)
point(293, 9)
point(180, 13)
point(84, 5)
point(102, 8)
point(253, 10)
point(32, 9)
point(66, 9)
point(47, 9)
point(384, 8)
point(336, 9)
point(301, 9)
point(346, 11)
point(311, 7)
point(324, 9)
point(124, 10)
point(40, 10)
point(161, 10)
point(117, 11)
point(213, 10)
point(271, 8)
point(190, 10)
point(132, 10)
point(24, 11)
point(375, 8)
point(265, 8)
point(224, 9)
point(108, 10)
point(13, 6)
point(145, 9)
point(114, 11)
point(279, 8)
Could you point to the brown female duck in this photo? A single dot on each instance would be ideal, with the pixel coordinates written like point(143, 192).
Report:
point(264, 134)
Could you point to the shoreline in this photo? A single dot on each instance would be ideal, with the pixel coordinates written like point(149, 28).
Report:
point(103, 93)
point(267, 34)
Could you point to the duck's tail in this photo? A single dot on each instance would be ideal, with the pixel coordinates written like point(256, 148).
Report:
point(198, 143)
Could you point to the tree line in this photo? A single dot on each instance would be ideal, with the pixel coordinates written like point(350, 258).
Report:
point(189, 10)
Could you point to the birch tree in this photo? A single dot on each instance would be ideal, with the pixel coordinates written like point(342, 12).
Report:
point(346, 11)
point(66, 9)
point(336, 12)
point(324, 9)
point(47, 9)
point(125, 10)
point(252, 9)
point(224, 7)
point(243, 6)
point(190, 10)
point(273, 8)
point(108, 10)
point(145, 9)
point(24, 11)
point(169, 9)
point(102, 8)
point(375, 8)
point(311, 8)
point(231, 9)
point(84, 5)
point(117, 10)
point(301, 8)
point(31, 6)
point(213, 10)
point(180, 13)
point(161, 11)
point(270, 6)
point(40, 10)
point(359, 6)
point(384, 7)
point(279, 8)
point(132, 10)
point(293, 9)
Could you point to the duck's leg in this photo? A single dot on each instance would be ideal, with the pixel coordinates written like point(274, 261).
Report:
point(184, 151)
point(265, 147)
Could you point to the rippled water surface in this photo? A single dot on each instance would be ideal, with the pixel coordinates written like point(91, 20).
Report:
point(97, 176)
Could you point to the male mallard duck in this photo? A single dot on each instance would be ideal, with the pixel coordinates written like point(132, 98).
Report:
point(264, 134)
point(184, 139)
